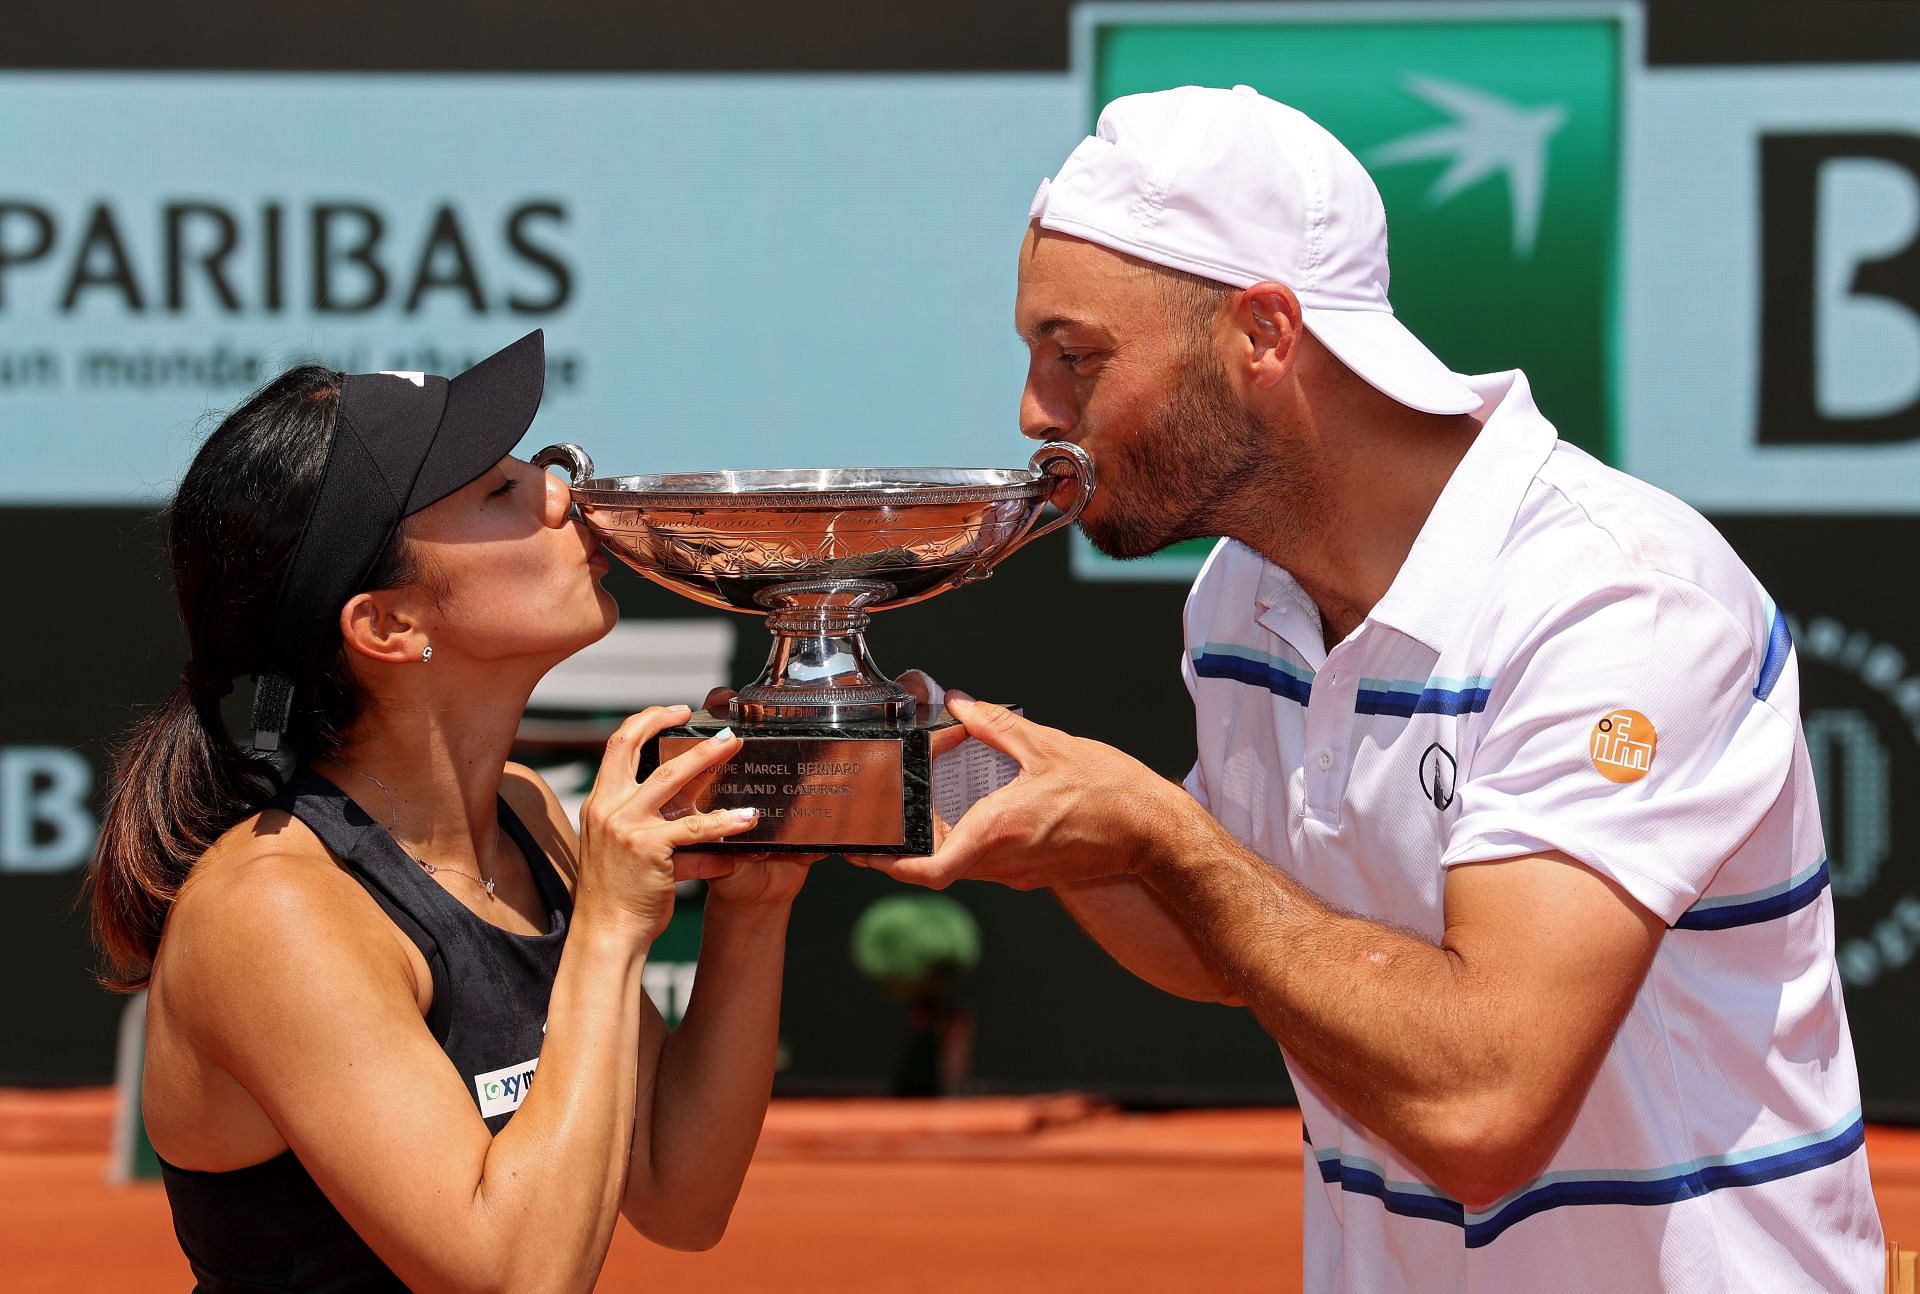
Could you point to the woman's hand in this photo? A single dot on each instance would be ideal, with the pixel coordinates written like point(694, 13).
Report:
point(627, 843)
point(757, 880)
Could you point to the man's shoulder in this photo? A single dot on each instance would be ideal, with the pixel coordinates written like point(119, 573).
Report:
point(1584, 528)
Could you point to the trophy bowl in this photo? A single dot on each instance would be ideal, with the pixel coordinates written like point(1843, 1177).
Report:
point(817, 551)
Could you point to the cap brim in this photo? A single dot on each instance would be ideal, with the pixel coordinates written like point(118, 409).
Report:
point(1390, 359)
point(489, 408)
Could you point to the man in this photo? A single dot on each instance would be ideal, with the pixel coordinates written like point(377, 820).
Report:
point(1502, 823)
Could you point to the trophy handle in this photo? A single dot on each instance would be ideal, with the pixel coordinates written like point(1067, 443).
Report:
point(577, 461)
point(1055, 454)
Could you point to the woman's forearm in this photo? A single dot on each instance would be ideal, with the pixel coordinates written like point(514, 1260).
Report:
point(715, 1074)
point(558, 1169)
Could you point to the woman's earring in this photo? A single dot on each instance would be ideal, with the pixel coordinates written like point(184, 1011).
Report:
point(426, 653)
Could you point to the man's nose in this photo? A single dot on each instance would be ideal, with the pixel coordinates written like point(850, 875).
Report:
point(1043, 419)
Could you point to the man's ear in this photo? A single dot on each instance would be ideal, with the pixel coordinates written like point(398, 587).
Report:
point(375, 626)
point(1267, 318)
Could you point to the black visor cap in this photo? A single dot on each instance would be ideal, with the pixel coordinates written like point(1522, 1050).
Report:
point(401, 442)
point(489, 408)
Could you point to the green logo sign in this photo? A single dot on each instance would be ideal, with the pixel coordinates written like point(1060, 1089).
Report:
point(1494, 136)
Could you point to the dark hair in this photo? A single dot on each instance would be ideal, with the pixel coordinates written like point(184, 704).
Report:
point(179, 778)
point(1197, 300)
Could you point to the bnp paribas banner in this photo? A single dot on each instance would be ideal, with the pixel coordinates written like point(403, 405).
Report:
point(731, 270)
point(1712, 275)
point(1495, 138)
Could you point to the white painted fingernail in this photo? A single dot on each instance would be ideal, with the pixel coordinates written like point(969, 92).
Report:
point(725, 734)
point(746, 815)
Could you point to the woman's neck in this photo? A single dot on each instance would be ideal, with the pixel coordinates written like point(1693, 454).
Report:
point(430, 774)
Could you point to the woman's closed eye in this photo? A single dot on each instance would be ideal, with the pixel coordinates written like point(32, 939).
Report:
point(506, 487)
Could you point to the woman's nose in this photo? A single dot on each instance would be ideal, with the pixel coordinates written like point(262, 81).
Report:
point(559, 501)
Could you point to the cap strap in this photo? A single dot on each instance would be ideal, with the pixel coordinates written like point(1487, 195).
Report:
point(272, 709)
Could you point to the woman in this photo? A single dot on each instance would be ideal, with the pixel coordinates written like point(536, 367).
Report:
point(355, 976)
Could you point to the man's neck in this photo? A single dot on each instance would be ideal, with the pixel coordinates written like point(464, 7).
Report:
point(1379, 469)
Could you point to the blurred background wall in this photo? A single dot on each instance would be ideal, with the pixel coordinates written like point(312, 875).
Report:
point(775, 234)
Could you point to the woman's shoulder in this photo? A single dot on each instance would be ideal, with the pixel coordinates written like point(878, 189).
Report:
point(543, 814)
point(267, 886)
point(268, 849)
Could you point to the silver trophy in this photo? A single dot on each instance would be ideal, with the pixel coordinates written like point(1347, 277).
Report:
point(835, 755)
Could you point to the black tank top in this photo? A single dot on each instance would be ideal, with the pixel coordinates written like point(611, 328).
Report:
point(268, 1226)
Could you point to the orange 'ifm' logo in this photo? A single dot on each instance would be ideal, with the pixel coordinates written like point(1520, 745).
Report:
point(1622, 746)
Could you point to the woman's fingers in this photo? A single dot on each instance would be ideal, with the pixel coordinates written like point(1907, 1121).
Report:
point(675, 774)
point(690, 866)
point(620, 766)
point(697, 829)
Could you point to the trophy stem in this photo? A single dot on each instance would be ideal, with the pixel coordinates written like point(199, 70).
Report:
point(819, 672)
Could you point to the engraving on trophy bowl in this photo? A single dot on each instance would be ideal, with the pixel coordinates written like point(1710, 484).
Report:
point(817, 551)
point(724, 538)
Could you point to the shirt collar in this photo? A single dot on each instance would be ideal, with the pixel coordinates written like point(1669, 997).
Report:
point(1461, 536)
point(1471, 519)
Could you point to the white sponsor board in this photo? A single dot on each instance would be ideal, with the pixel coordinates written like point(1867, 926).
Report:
point(1713, 274)
point(733, 271)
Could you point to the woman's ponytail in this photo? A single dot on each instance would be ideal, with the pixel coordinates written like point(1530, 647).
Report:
point(179, 781)
point(179, 778)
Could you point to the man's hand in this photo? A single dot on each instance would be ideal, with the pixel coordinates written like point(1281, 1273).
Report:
point(1079, 810)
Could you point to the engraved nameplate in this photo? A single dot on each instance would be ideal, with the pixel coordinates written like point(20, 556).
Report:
point(823, 791)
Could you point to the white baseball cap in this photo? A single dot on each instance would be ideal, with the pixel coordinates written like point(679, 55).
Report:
point(1232, 186)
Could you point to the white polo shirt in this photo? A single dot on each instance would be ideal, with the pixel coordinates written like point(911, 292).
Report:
point(1569, 660)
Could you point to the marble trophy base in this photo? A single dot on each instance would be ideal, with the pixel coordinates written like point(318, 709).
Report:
point(826, 788)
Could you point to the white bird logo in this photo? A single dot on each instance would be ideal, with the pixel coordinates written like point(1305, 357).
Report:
point(1488, 134)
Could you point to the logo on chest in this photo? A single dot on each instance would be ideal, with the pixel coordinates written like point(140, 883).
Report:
point(1437, 775)
point(500, 1091)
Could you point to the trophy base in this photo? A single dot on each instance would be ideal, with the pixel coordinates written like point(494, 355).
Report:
point(827, 788)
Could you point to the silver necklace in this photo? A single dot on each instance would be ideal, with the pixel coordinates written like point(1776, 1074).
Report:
point(393, 819)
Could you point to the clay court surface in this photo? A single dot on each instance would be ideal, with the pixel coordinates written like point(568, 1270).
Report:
point(1004, 1196)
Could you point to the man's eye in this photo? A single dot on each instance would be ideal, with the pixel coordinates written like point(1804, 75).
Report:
point(507, 488)
point(1071, 359)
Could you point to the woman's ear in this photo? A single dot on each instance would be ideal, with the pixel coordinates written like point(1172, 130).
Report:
point(1267, 316)
point(376, 627)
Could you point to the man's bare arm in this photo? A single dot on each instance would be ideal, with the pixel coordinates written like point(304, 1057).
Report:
point(1128, 920)
point(1470, 1056)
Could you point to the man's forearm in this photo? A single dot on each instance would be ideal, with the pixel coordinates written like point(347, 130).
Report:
point(1125, 918)
point(1378, 1017)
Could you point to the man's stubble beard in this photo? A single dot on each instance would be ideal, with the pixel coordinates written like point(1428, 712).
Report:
point(1201, 465)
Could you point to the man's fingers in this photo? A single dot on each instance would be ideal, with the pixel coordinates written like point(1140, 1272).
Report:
point(996, 725)
point(935, 873)
point(620, 765)
point(674, 775)
point(927, 692)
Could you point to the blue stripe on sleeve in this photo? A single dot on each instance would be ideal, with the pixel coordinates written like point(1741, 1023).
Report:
point(1726, 911)
point(1569, 1189)
point(1779, 648)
